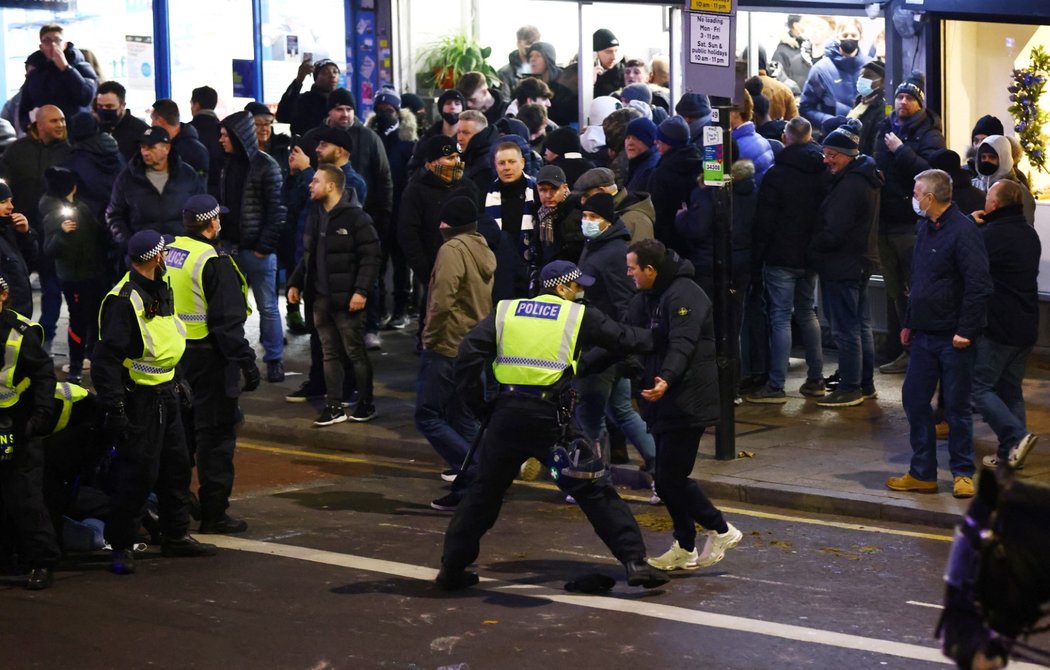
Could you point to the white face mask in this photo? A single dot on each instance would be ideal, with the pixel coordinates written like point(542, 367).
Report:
point(916, 207)
point(579, 296)
point(591, 228)
point(865, 86)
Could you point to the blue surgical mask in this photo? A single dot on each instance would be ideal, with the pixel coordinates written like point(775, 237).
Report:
point(865, 86)
point(591, 228)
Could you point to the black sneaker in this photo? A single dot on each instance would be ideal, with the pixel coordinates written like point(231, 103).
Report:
point(224, 525)
point(841, 399)
point(446, 503)
point(306, 391)
point(813, 388)
point(331, 414)
point(351, 399)
point(40, 579)
point(766, 395)
point(447, 580)
point(296, 324)
point(832, 382)
point(275, 371)
point(363, 412)
point(186, 547)
point(122, 562)
point(449, 475)
point(640, 573)
point(398, 322)
point(869, 392)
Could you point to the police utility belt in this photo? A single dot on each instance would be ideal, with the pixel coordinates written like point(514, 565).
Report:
point(541, 392)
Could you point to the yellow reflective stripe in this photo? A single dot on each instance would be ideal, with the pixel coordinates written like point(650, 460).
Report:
point(568, 337)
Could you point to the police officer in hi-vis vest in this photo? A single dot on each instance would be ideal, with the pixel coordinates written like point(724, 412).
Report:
point(211, 300)
point(141, 340)
point(532, 347)
point(27, 384)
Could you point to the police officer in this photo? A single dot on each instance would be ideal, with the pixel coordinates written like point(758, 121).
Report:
point(211, 300)
point(533, 347)
point(27, 382)
point(141, 340)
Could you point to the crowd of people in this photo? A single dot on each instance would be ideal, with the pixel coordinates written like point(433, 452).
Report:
point(559, 278)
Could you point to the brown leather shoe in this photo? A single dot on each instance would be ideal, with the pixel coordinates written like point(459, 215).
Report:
point(963, 487)
point(941, 428)
point(909, 483)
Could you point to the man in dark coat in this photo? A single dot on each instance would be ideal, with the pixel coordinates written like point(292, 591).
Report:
point(150, 192)
point(947, 311)
point(476, 139)
point(114, 118)
point(906, 141)
point(183, 138)
point(609, 67)
point(680, 398)
point(339, 265)
point(674, 177)
point(96, 161)
point(305, 111)
point(18, 248)
point(785, 220)
point(57, 75)
point(202, 106)
point(251, 190)
point(968, 197)
point(843, 253)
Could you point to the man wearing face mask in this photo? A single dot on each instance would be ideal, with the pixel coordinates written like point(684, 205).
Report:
point(831, 87)
point(532, 349)
point(450, 103)
point(870, 108)
point(904, 144)
point(994, 162)
point(114, 118)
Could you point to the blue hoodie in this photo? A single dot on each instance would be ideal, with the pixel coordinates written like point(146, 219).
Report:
point(831, 87)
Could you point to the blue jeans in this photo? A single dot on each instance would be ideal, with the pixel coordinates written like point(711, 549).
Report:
point(261, 274)
point(441, 417)
point(593, 397)
point(50, 297)
point(622, 412)
point(847, 306)
point(934, 358)
point(792, 294)
point(997, 375)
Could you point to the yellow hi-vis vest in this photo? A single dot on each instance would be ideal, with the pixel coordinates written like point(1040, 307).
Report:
point(10, 388)
point(185, 258)
point(163, 339)
point(536, 340)
point(67, 394)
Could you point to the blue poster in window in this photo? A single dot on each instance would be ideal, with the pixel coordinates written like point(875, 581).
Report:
point(243, 78)
point(367, 59)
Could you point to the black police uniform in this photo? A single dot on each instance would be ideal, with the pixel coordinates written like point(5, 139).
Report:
point(21, 478)
point(151, 453)
point(212, 368)
point(525, 422)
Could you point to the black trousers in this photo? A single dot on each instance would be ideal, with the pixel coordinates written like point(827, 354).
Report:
point(685, 501)
point(520, 427)
point(22, 491)
point(214, 425)
point(152, 456)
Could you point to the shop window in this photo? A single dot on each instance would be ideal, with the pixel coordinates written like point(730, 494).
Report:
point(206, 37)
point(290, 36)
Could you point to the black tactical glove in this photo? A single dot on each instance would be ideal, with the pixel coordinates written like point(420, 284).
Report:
point(252, 378)
point(38, 424)
point(116, 422)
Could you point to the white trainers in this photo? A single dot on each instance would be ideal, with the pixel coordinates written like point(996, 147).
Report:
point(675, 558)
point(654, 499)
point(1020, 452)
point(716, 544)
point(530, 469)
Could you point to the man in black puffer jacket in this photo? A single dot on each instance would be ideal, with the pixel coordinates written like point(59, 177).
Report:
point(680, 398)
point(674, 177)
point(58, 75)
point(150, 192)
point(250, 188)
point(339, 265)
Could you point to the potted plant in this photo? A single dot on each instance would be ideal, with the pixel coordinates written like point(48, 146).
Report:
point(446, 60)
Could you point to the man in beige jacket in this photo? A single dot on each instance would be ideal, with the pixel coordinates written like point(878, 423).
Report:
point(459, 296)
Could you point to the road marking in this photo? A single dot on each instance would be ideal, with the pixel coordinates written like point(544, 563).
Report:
point(393, 463)
point(637, 607)
point(919, 604)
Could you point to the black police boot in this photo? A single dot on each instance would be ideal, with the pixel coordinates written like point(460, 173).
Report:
point(122, 562)
point(455, 580)
point(186, 547)
point(640, 573)
point(40, 579)
point(224, 525)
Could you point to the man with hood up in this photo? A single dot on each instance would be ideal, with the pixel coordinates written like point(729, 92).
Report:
point(57, 75)
point(994, 162)
point(832, 83)
point(543, 63)
point(251, 189)
point(96, 161)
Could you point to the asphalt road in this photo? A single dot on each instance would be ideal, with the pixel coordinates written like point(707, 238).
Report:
point(336, 570)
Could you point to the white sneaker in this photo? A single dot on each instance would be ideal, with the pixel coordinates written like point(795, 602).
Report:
point(655, 499)
point(1020, 452)
point(675, 558)
point(530, 469)
point(716, 544)
point(372, 342)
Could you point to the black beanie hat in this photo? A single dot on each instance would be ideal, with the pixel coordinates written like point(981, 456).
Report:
point(340, 96)
point(876, 68)
point(947, 160)
point(5, 191)
point(564, 140)
point(451, 94)
point(412, 102)
point(439, 146)
point(915, 86)
point(603, 39)
point(59, 181)
point(602, 205)
point(82, 126)
point(846, 138)
point(459, 213)
point(987, 125)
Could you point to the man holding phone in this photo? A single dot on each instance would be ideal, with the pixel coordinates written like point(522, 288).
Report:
point(308, 110)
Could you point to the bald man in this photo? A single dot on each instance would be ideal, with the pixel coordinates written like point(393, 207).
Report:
point(1013, 323)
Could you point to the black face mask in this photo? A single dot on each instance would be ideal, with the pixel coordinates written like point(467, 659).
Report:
point(986, 168)
point(386, 120)
point(849, 46)
point(451, 118)
point(108, 117)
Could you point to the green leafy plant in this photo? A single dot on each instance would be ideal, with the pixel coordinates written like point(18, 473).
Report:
point(446, 60)
point(1025, 92)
